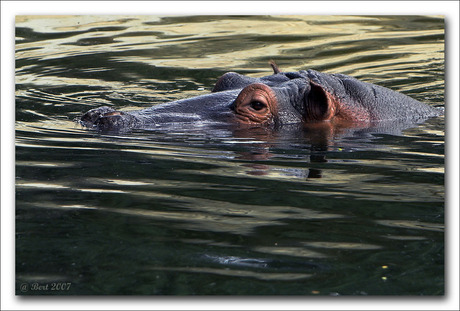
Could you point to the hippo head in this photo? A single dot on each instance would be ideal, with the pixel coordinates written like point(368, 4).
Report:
point(306, 96)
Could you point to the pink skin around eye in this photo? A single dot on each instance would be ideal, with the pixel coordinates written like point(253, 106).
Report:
point(247, 99)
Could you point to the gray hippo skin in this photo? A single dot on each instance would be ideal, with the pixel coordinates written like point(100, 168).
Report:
point(306, 96)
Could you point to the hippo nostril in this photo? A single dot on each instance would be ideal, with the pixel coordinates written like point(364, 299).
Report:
point(90, 118)
point(113, 113)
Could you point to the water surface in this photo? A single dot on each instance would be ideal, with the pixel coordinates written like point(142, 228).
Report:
point(220, 212)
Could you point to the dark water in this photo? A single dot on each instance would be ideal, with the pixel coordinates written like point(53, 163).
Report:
point(204, 212)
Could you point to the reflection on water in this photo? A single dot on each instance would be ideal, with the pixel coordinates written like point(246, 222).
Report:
point(186, 211)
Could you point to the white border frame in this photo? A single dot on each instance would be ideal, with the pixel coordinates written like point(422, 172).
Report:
point(450, 9)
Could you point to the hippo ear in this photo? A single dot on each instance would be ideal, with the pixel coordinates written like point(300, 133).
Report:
point(319, 103)
point(275, 67)
point(232, 81)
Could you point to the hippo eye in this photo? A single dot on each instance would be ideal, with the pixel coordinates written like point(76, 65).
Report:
point(257, 105)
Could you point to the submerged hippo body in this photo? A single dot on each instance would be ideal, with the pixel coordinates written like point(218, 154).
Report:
point(306, 96)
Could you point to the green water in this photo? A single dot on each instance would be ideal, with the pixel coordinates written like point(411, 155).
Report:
point(216, 212)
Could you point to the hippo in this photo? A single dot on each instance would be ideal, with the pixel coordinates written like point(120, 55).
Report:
point(276, 100)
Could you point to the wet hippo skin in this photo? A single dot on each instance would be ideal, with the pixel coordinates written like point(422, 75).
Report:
point(306, 96)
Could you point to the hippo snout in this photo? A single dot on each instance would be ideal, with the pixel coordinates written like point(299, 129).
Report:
point(106, 118)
